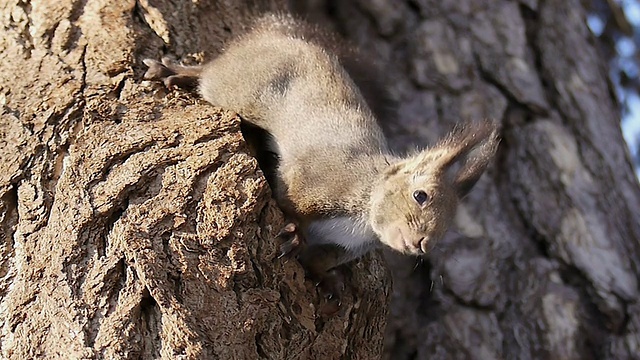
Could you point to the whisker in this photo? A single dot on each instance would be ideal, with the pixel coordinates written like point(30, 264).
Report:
point(418, 261)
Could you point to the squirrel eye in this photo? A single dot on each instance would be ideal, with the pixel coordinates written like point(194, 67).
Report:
point(420, 196)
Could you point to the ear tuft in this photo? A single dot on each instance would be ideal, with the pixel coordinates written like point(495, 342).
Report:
point(471, 146)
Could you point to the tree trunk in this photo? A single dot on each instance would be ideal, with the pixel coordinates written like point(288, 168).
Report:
point(133, 222)
point(545, 259)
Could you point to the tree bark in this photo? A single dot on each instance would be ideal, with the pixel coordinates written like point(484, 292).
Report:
point(544, 259)
point(133, 221)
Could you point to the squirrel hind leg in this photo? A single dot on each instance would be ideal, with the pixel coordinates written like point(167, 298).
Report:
point(323, 265)
point(331, 287)
point(172, 74)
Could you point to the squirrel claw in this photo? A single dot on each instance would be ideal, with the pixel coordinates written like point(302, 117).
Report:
point(330, 308)
point(331, 287)
point(294, 243)
point(290, 248)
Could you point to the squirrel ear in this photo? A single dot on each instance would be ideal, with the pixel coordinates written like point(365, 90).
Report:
point(469, 149)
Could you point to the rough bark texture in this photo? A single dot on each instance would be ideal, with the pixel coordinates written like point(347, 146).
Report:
point(133, 222)
point(545, 259)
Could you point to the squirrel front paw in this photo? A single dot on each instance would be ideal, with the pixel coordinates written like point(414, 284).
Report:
point(294, 241)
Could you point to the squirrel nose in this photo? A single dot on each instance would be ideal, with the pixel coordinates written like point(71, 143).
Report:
point(422, 245)
point(426, 244)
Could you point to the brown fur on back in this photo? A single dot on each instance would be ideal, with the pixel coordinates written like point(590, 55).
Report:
point(365, 72)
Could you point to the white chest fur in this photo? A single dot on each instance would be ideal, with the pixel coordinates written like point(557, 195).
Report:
point(351, 234)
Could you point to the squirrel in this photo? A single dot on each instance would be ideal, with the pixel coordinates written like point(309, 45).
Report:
point(335, 176)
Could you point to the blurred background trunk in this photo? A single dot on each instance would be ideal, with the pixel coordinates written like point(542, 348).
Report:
point(135, 225)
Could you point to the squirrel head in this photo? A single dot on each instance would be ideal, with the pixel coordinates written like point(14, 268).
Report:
point(416, 198)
